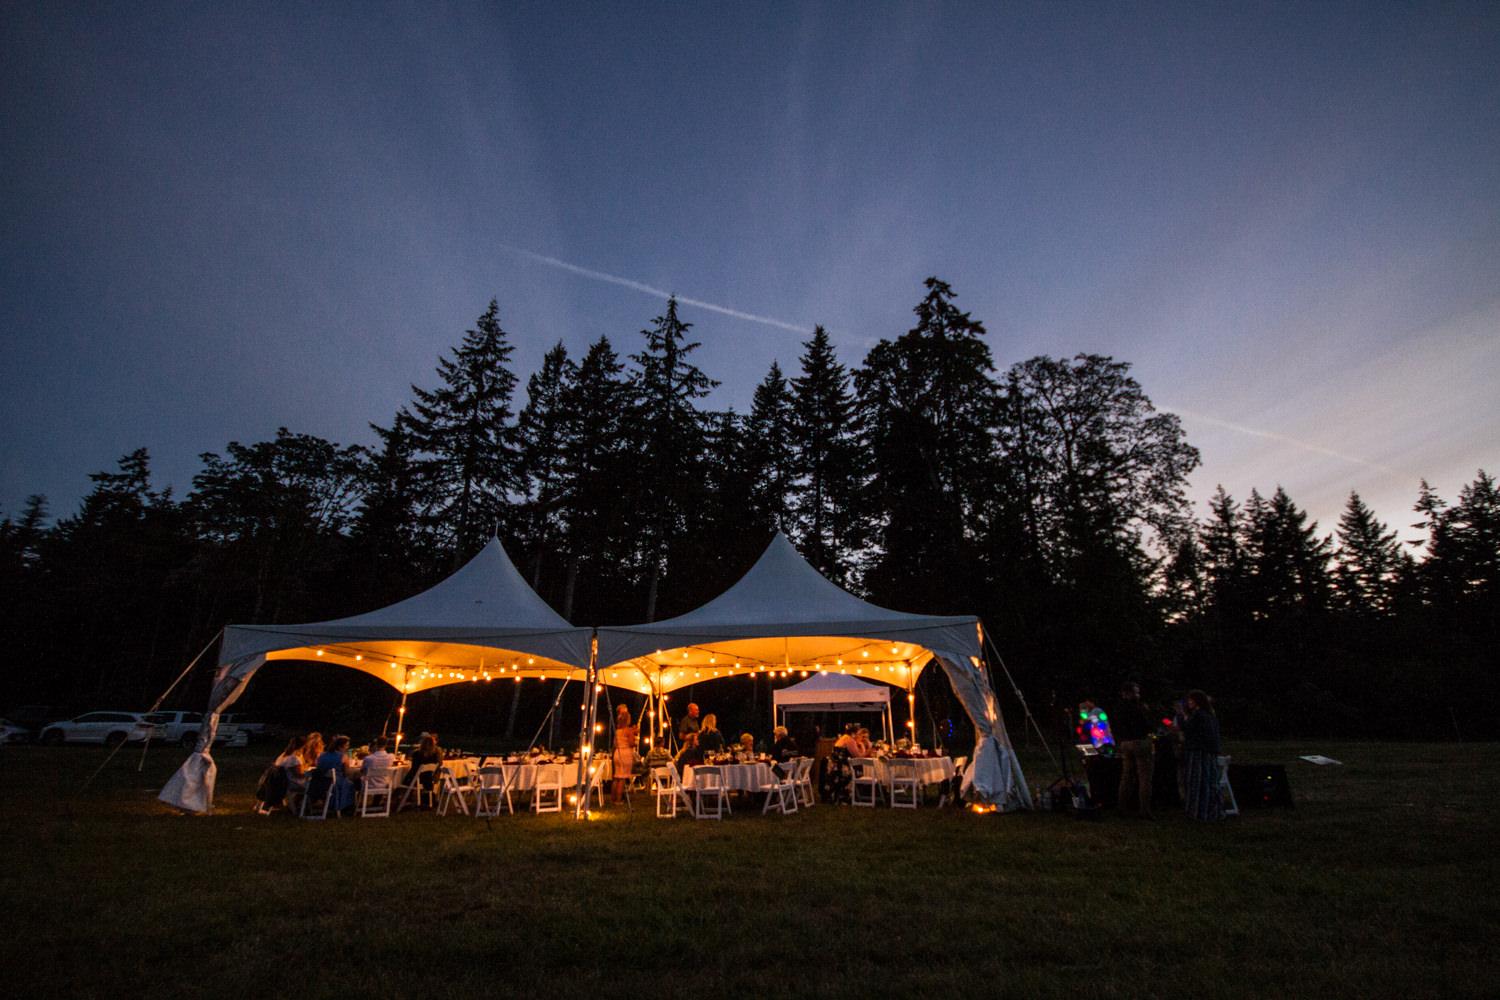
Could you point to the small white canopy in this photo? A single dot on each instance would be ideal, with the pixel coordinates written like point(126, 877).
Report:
point(784, 615)
point(482, 623)
point(832, 693)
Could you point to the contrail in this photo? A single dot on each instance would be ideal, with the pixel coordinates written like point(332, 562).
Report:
point(641, 286)
point(1294, 442)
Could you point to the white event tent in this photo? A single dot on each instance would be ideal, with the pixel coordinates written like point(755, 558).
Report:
point(829, 692)
point(483, 623)
point(783, 615)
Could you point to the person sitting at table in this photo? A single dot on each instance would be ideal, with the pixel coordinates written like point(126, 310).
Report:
point(310, 750)
point(627, 737)
point(691, 754)
point(376, 759)
point(689, 723)
point(709, 737)
point(336, 759)
point(783, 747)
point(747, 744)
point(862, 747)
point(292, 766)
point(845, 741)
point(427, 752)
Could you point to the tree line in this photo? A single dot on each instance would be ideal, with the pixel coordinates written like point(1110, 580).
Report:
point(1048, 497)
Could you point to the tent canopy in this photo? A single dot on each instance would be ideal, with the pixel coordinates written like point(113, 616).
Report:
point(784, 615)
point(832, 693)
point(484, 622)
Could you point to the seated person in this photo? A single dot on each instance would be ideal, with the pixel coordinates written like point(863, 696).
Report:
point(691, 754)
point(862, 747)
point(747, 744)
point(783, 747)
point(377, 759)
point(336, 759)
point(846, 739)
point(426, 752)
point(709, 737)
point(836, 776)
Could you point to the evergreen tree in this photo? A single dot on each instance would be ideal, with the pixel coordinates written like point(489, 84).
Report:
point(1367, 560)
point(928, 404)
point(671, 430)
point(1226, 563)
point(463, 430)
point(541, 431)
point(830, 460)
point(1289, 562)
point(770, 452)
point(387, 528)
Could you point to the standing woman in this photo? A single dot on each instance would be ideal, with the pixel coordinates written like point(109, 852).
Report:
point(1200, 744)
point(627, 735)
point(709, 737)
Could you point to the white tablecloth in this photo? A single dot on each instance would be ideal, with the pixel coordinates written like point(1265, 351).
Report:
point(522, 777)
point(737, 777)
point(930, 770)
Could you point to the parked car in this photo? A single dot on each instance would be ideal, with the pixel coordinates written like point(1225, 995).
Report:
point(33, 717)
point(109, 728)
point(255, 731)
point(183, 728)
point(12, 733)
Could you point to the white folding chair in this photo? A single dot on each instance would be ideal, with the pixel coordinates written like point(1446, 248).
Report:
point(802, 777)
point(329, 791)
point(595, 785)
point(547, 793)
point(666, 785)
point(453, 790)
point(865, 779)
point(953, 787)
point(1231, 807)
point(494, 788)
point(375, 796)
point(905, 791)
point(414, 786)
point(710, 797)
point(781, 793)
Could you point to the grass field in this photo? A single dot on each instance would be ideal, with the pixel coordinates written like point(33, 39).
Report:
point(1380, 883)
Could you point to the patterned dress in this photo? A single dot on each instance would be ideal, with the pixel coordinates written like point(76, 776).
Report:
point(1201, 747)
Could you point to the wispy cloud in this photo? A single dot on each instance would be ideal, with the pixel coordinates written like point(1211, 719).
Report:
point(1308, 446)
point(641, 286)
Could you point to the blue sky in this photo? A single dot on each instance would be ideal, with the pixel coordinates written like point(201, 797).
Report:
point(1286, 217)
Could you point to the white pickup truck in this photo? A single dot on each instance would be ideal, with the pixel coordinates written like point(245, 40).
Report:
point(183, 728)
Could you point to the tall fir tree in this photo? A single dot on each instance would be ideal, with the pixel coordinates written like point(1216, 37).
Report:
point(387, 528)
point(541, 432)
point(830, 460)
point(671, 442)
point(770, 452)
point(464, 432)
point(1367, 561)
point(1288, 561)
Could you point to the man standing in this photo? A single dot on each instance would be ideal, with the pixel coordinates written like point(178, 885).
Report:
point(1131, 727)
point(689, 723)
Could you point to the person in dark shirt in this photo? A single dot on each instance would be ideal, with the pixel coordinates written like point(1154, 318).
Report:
point(783, 747)
point(1130, 723)
point(689, 723)
point(691, 754)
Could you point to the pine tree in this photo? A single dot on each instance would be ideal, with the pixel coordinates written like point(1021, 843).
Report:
point(928, 403)
point(830, 460)
point(1289, 562)
point(388, 526)
point(770, 452)
point(1367, 560)
point(671, 432)
point(1224, 556)
point(463, 429)
point(541, 431)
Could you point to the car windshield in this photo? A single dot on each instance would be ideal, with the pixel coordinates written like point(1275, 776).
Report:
point(159, 717)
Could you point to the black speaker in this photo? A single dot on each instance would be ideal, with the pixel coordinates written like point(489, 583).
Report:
point(1260, 786)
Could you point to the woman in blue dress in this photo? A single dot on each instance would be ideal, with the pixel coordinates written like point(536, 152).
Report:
point(336, 757)
point(1201, 749)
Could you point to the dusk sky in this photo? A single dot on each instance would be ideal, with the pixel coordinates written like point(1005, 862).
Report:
point(1285, 217)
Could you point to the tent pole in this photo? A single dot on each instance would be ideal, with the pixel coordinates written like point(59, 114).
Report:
point(586, 740)
point(401, 712)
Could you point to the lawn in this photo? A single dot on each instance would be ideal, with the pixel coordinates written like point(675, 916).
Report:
point(1380, 883)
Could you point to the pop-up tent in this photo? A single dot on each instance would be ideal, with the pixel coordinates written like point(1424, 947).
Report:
point(783, 616)
point(825, 692)
point(483, 623)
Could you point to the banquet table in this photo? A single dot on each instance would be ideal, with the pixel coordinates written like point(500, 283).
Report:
point(737, 777)
point(930, 770)
point(521, 777)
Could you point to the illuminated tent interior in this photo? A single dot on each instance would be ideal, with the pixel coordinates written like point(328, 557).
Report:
point(481, 624)
point(830, 692)
point(784, 617)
